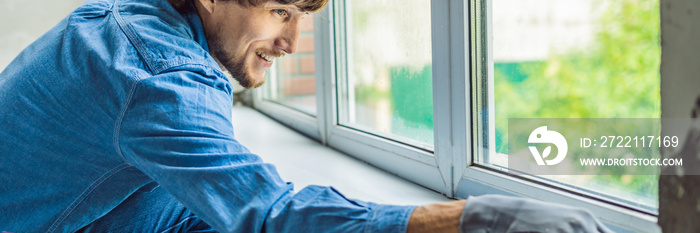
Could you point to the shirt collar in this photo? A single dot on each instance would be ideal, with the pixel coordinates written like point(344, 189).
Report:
point(196, 25)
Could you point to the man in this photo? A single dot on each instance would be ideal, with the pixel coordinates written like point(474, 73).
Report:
point(118, 119)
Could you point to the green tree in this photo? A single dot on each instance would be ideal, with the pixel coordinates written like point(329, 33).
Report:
point(617, 76)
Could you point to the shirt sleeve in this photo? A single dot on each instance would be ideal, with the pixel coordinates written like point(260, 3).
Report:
point(177, 129)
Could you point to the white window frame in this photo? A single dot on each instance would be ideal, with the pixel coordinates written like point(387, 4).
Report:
point(448, 169)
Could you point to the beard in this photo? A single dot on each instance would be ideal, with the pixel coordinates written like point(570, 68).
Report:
point(236, 66)
point(229, 62)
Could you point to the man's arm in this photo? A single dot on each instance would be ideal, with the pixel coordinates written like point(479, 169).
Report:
point(438, 217)
point(177, 130)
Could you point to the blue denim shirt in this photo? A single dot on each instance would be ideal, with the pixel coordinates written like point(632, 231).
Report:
point(122, 93)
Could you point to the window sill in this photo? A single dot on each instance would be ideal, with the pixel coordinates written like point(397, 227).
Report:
point(306, 162)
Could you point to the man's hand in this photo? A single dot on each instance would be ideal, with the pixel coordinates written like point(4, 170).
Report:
point(439, 217)
point(496, 213)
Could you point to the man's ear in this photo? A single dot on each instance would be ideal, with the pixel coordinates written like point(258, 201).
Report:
point(207, 5)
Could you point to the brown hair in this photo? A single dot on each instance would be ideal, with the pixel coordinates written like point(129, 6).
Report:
point(303, 5)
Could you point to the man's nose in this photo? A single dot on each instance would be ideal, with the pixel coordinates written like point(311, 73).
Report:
point(289, 38)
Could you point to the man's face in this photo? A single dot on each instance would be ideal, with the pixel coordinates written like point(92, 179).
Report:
point(246, 39)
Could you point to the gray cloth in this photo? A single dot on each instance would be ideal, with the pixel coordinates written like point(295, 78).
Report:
point(497, 213)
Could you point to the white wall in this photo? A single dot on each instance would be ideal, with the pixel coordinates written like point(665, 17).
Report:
point(22, 22)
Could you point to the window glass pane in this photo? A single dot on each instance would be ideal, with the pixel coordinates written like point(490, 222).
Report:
point(570, 59)
point(387, 88)
point(292, 80)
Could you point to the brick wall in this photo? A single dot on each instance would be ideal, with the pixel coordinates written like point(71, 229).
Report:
point(296, 71)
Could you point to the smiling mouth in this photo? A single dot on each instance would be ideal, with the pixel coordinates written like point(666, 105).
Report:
point(269, 55)
point(265, 56)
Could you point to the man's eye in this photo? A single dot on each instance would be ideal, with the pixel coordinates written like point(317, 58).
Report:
point(281, 12)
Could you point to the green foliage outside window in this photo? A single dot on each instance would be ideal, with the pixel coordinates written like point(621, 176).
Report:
point(617, 76)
